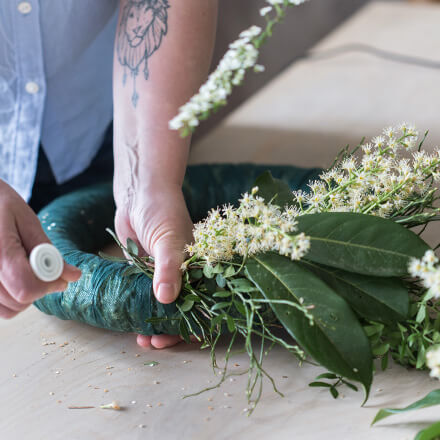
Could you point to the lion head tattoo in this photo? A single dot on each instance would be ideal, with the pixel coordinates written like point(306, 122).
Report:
point(143, 25)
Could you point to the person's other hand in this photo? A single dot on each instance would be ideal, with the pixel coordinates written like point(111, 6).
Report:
point(20, 232)
point(159, 222)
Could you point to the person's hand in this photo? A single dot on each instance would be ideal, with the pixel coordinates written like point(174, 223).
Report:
point(20, 232)
point(159, 222)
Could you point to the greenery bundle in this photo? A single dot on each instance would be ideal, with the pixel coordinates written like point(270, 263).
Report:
point(332, 266)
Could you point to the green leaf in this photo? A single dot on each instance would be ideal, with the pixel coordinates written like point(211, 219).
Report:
point(208, 271)
point(223, 294)
point(327, 376)
point(132, 247)
point(361, 243)
point(334, 392)
point(336, 340)
point(274, 190)
point(243, 285)
point(381, 349)
point(151, 363)
point(215, 321)
point(231, 324)
point(431, 399)
point(218, 268)
point(229, 272)
point(432, 432)
point(196, 274)
point(220, 305)
point(375, 298)
point(320, 384)
point(187, 305)
point(220, 280)
point(184, 331)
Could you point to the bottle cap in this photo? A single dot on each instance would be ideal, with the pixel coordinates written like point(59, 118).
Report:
point(46, 262)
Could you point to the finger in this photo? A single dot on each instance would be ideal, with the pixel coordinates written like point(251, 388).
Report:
point(71, 273)
point(143, 341)
point(6, 313)
point(124, 231)
point(165, 341)
point(168, 255)
point(7, 301)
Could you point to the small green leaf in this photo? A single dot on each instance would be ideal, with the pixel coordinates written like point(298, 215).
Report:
point(432, 432)
point(334, 392)
point(196, 274)
point(274, 190)
point(381, 349)
point(215, 321)
point(218, 268)
point(243, 285)
point(132, 247)
point(327, 376)
point(431, 399)
point(350, 385)
point(151, 363)
point(222, 294)
point(240, 308)
point(231, 324)
point(184, 331)
point(187, 305)
point(208, 271)
point(220, 305)
point(192, 297)
point(320, 384)
point(220, 280)
point(229, 272)
point(421, 314)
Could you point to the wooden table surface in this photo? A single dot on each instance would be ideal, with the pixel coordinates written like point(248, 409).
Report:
point(303, 117)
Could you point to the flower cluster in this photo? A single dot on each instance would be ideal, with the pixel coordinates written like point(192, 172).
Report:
point(433, 361)
point(254, 227)
point(427, 270)
point(382, 181)
point(241, 56)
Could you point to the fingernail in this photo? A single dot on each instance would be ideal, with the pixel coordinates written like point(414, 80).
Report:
point(166, 292)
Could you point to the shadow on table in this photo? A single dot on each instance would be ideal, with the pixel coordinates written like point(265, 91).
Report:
point(273, 146)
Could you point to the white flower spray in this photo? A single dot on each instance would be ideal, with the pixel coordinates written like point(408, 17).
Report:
point(254, 227)
point(382, 181)
point(241, 56)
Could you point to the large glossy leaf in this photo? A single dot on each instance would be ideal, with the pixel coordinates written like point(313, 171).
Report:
point(274, 190)
point(336, 340)
point(376, 298)
point(431, 399)
point(432, 432)
point(361, 243)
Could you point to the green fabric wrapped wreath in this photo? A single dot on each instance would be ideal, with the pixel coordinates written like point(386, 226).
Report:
point(108, 297)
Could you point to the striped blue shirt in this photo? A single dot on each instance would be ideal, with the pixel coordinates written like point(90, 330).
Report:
point(55, 85)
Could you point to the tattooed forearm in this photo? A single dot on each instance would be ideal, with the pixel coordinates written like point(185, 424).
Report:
point(142, 26)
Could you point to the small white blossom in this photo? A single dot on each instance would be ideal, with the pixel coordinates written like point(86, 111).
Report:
point(254, 227)
point(428, 271)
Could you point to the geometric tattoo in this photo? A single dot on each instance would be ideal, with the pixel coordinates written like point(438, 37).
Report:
point(142, 26)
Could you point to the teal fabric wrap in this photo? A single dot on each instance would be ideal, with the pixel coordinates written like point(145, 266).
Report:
point(104, 297)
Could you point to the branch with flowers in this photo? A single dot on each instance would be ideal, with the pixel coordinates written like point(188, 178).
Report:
point(241, 57)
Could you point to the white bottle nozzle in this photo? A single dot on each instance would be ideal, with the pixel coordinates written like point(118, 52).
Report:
point(46, 262)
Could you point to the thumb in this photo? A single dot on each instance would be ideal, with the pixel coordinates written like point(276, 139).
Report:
point(168, 255)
